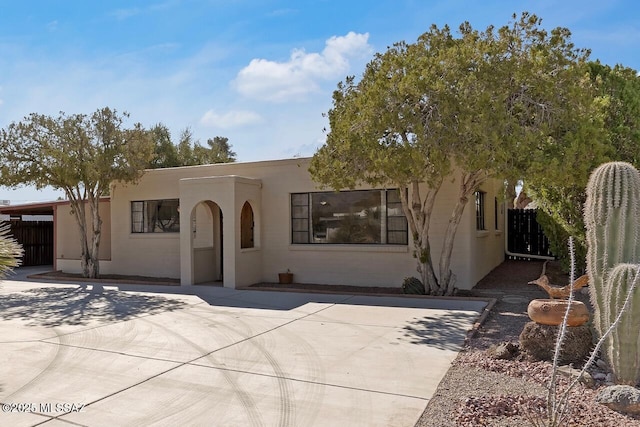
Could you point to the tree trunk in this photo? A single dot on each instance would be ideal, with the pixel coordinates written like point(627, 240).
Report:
point(447, 278)
point(468, 185)
point(79, 213)
point(510, 194)
point(89, 250)
point(96, 227)
point(426, 270)
point(418, 213)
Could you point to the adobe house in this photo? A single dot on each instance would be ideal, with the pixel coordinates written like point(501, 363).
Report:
point(243, 223)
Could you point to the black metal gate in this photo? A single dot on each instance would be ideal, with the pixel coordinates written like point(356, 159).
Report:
point(36, 238)
point(524, 235)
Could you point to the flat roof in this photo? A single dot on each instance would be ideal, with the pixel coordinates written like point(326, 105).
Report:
point(35, 208)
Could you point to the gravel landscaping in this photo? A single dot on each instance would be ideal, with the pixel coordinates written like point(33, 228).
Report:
point(479, 390)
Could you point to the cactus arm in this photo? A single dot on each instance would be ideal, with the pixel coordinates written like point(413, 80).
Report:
point(612, 219)
point(624, 340)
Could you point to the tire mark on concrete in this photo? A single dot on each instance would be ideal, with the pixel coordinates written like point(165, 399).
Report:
point(287, 409)
point(285, 400)
point(57, 356)
point(245, 398)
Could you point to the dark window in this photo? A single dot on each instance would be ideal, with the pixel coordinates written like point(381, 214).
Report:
point(246, 226)
point(155, 216)
point(397, 228)
point(354, 217)
point(300, 218)
point(496, 211)
point(480, 210)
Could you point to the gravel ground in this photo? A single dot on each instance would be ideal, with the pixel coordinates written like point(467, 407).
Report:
point(481, 391)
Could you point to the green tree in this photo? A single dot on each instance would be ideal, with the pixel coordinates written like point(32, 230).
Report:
point(620, 90)
point(185, 150)
point(218, 150)
point(80, 155)
point(10, 251)
point(558, 185)
point(189, 152)
point(165, 152)
point(472, 106)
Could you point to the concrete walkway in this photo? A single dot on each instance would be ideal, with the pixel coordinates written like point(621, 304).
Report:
point(137, 355)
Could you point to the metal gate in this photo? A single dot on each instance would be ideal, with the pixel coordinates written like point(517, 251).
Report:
point(36, 238)
point(525, 238)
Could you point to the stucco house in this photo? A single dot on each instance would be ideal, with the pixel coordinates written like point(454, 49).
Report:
point(243, 223)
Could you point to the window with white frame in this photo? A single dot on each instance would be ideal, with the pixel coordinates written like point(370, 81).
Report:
point(155, 216)
point(348, 217)
point(480, 211)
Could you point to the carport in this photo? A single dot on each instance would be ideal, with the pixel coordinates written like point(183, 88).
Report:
point(33, 226)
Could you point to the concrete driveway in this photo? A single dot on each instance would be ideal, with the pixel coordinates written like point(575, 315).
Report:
point(133, 355)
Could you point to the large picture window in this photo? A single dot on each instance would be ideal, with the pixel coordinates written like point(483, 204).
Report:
point(155, 216)
point(353, 217)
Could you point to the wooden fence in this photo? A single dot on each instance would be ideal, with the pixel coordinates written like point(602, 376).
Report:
point(36, 238)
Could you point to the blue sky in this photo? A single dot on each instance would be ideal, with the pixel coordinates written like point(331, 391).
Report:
point(260, 73)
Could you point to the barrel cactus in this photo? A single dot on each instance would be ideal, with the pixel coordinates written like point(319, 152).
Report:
point(412, 285)
point(612, 219)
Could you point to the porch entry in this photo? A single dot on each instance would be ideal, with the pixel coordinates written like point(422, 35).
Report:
point(220, 230)
point(207, 228)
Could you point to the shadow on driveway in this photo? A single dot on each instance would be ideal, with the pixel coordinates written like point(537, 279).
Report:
point(55, 306)
point(446, 331)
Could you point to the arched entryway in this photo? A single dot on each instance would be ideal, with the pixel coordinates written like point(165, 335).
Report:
point(206, 234)
point(203, 231)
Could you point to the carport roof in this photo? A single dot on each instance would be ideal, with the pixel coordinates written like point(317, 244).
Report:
point(36, 208)
point(39, 208)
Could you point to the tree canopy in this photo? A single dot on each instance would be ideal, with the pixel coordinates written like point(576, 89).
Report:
point(559, 188)
point(165, 152)
point(80, 155)
point(187, 152)
point(474, 106)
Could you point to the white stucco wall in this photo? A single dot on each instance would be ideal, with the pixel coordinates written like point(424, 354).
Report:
point(159, 254)
point(487, 247)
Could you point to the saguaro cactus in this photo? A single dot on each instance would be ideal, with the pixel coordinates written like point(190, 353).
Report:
point(612, 219)
point(623, 345)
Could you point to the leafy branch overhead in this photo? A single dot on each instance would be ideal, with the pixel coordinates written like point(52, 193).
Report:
point(558, 177)
point(474, 106)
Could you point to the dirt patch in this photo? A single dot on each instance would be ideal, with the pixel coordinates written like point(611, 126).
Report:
point(342, 289)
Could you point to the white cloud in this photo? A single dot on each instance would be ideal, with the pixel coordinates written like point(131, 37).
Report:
point(122, 14)
point(52, 26)
point(230, 119)
point(126, 13)
point(282, 12)
point(302, 73)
